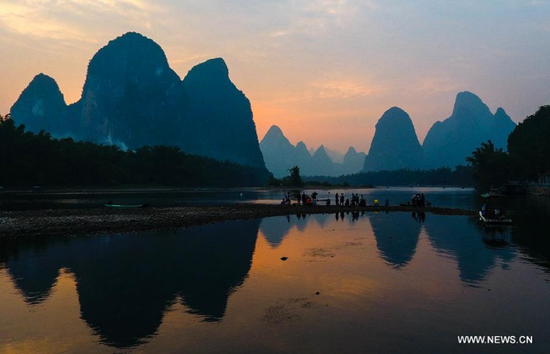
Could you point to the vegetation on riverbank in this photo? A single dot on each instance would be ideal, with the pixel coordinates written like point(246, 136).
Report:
point(28, 159)
point(527, 158)
point(460, 176)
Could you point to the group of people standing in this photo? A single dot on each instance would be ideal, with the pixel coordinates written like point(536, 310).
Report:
point(418, 200)
point(356, 200)
point(301, 198)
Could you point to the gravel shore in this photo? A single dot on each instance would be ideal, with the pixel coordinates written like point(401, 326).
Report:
point(78, 222)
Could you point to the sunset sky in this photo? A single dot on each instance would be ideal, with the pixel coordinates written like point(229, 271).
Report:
point(323, 70)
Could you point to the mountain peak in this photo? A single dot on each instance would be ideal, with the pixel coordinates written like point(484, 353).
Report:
point(274, 131)
point(40, 106)
point(470, 101)
point(41, 77)
point(212, 69)
point(395, 144)
point(449, 142)
point(500, 112)
point(394, 115)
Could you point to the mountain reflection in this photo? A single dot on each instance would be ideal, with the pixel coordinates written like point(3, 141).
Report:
point(126, 283)
point(396, 237)
point(461, 238)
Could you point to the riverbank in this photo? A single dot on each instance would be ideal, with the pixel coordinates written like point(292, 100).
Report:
point(79, 222)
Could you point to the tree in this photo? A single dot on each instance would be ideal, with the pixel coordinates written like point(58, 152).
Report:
point(28, 159)
point(529, 146)
point(491, 166)
point(294, 180)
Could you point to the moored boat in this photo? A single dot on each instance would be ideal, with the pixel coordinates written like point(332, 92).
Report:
point(494, 220)
point(126, 206)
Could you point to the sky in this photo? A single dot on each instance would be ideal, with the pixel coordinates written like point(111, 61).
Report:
point(323, 70)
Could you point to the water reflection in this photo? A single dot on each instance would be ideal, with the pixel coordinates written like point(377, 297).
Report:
point(459, 237)
point(396, 237)
point(126, 283)
point(364, 266)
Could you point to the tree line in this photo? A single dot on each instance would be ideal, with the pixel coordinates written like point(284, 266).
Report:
point(460, 176)
point(28, 159)
point(527, 158)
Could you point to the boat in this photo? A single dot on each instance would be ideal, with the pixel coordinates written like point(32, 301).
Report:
point(126, 206)
point(494, 220)
point(493, 216)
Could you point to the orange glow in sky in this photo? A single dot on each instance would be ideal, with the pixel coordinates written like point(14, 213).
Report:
point(323, 70)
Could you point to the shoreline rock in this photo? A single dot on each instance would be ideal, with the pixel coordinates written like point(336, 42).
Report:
point(81, 222)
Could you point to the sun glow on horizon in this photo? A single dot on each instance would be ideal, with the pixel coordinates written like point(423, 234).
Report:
point(324, 71)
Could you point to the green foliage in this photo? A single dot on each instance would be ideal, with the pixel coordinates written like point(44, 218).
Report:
point(274, 182)
point(491, 166)
point(294, 180)
point(528, 154)
point(38, 159)
point(529, 146)
point(461, 176)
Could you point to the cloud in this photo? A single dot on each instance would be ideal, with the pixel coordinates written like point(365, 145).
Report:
point(68, 20)
point(345, 89)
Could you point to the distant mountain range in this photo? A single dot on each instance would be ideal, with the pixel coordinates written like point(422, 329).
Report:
point(448, 143)
point(395, 144)
point(131, 97)
point(280, 155)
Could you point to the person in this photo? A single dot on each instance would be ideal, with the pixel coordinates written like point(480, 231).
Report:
point(362, 202)
point(422, 200)
point(304, 197)
point(337, 199)
point(347, 202)
point(298, 198)
point(314, 196)
point(328, 201)
point(376, 202)
point(342, 199)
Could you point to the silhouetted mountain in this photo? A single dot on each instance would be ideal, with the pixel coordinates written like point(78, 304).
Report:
point(395, 144)
point(321, 164)
point(302, 156)
point(219, 119)
point(41, 106)
point(280, 155)
point(125, 285)
point(130, 95)
point(353, 161)
point(448, 143)
point(131, 98)
point(335, 156)
point(502, 127)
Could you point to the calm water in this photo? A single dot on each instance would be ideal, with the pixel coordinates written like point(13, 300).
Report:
point(448, 197)
point(387, 283)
